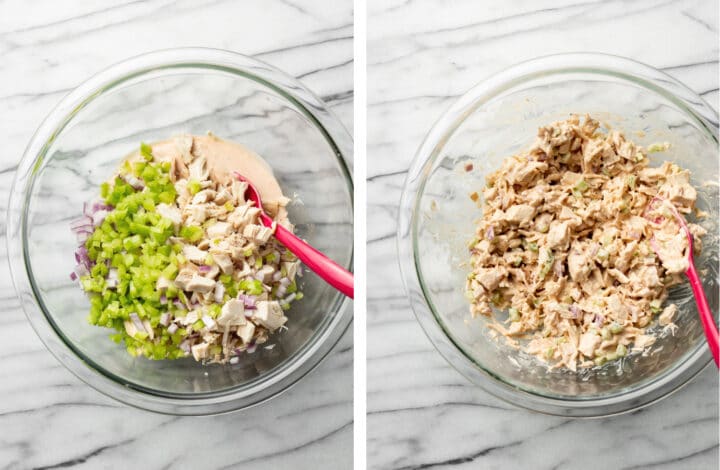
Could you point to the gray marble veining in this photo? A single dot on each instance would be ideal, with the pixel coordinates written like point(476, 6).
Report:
point(48, 418)
point(421, 56)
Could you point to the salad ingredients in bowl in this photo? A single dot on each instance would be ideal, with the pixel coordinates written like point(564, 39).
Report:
point(175, 259)
point(564, 246)
point(499, 118)
point(179, 236)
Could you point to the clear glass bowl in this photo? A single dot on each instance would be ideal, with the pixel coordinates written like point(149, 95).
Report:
point(498, 118)
point(150, 98)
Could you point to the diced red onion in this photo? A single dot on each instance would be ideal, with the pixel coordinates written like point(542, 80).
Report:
point(99, 206)
point(81, 270)
point(209, 322)
point(112, 280)
point(252, 348)
point(163, 299)
point(599, 319)
point(178, 303)
point(137, 322)
point(276, 276)
point(165, 319)
point(172, 328)
point(284, 282)
point(84, 221)
point(289, 298)
point(98, 217)
point(270, 346)
point(185, 346)
point(575, 310)
point(281, 291)
point(635, 235)
point(249, 302)
point(81, 237)
point(73, 276)
point(134, 182)
point(490, 233)
point(594, 250)
point(234, 360)
point(299, 272)
point(203, 268)
point(81, 256)
point(559, 268)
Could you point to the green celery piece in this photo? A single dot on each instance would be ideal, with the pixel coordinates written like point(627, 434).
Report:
point(146, 151)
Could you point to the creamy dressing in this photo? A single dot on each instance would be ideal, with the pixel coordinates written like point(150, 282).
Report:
point(223, 158)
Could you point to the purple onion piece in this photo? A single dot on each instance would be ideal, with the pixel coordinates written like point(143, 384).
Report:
point(490, 233)
point(137, 322)
point(172, 328)
point(165, 319)
point(575, 310)
point(98, 217)
point(203, 268)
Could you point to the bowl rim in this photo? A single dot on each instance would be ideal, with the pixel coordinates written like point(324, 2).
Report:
point(617, 67)
point(258, 389)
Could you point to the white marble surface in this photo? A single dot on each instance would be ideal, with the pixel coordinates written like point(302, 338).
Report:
point(48, 418)
point(421, 55)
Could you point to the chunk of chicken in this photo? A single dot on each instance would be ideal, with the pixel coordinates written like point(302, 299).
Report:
point(589, 342)
point(169, 212)
point(246, 332)
point(520, 214)
point(219, 230)
point(194, 254)
point(200, 351)
point(200, 284)
point(269, 314)
point(232, 313)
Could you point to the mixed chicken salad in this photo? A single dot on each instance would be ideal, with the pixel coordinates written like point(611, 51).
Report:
point(176, 260)
point(567, 244)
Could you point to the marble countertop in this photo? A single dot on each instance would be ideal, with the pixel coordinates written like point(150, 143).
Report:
point(421, 56)
point(48, 418)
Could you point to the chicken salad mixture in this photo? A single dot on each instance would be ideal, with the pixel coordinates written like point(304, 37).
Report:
point(176, 259)
point(567, 244)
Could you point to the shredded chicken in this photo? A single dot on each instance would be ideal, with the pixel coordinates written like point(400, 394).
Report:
point(233, 243)
point(565, 243)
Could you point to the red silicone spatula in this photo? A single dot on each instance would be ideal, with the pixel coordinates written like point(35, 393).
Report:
point(329, 270)
point(706, 316)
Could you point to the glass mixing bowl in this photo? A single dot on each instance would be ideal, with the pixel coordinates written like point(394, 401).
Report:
point(150, 98)
point(498, 118)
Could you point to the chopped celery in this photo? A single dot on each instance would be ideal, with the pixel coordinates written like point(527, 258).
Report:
point(194, 187)
point(146, 151)
point(191, 233)
point(251, 286)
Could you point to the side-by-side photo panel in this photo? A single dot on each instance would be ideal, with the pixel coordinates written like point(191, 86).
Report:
point(180, 235)
point(542, 235)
